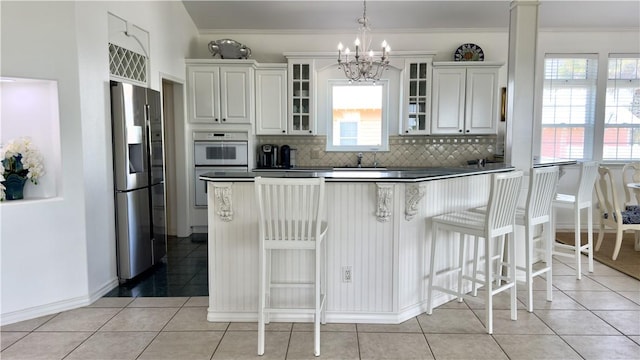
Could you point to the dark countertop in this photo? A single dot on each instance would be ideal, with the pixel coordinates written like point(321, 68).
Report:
point(389, 174)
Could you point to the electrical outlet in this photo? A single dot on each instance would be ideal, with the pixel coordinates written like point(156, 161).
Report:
point(347, 273)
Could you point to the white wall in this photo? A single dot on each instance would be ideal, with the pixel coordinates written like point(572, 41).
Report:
point(59, 254)
point(44, 258)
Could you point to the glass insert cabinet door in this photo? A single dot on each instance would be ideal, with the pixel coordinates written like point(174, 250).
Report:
point(301, 110)
point(417, 107)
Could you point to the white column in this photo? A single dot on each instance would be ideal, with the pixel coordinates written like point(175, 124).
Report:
point(523, 41)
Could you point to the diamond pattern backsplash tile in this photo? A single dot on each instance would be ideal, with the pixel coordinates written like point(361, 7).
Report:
point(405, 151)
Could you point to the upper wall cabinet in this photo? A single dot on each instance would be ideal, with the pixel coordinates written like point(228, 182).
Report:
point(465, 98)
point(220, 91)
point(417, 101)
point(271, 99)
point(301, 97)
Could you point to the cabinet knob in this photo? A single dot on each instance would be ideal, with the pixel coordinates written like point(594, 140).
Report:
point(224, 119)
point(310, 132)
point(284, 131)
point(216, 120)
point(460, 130)
point(467, 130)
point(407, 131)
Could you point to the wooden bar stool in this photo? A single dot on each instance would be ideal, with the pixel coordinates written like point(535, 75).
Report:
point(582, 199)
point(497, 222)
point(291, 218)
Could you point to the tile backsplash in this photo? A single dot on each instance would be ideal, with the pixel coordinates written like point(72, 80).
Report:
point(404, 151)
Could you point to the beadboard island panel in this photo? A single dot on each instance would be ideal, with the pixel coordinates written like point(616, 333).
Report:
point(387, 251)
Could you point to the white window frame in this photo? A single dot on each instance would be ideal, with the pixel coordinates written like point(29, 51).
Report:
point(634, 127)
point(384, 146)
point(590, 121)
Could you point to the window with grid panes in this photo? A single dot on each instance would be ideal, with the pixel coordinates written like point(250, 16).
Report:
point(349, 132)
point(622, 110)
point(568, 106)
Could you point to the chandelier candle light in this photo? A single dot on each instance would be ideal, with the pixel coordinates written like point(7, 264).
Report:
point(363, 66)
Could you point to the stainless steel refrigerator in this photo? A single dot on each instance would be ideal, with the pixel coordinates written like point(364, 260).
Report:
point(138, 168)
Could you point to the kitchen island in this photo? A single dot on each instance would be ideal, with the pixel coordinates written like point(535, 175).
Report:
point(377, 246)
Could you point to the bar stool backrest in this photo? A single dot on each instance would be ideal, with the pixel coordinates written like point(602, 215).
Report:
point(503, 199)
point(290, 211)
point(588, 176)
point(543, 184)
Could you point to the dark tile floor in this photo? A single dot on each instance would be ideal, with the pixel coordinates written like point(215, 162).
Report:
point(183, 272)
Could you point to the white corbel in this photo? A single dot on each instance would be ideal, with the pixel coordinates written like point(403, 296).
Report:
point(385, 194)
point(413, 193)
point(222, 192)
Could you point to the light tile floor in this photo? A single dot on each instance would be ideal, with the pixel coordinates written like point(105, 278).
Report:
point(597, 317)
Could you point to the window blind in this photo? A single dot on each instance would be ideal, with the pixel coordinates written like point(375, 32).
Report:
point(568, 106)
point(622, 110)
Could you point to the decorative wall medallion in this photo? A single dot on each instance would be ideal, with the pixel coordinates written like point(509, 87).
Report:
point(468, 52)
point(412, 195)
point(385, 193)
point(222, 193)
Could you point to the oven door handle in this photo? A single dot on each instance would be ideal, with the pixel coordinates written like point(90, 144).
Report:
point(223, 143)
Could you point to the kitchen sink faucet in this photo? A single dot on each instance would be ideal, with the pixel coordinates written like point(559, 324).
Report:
point(359, 159)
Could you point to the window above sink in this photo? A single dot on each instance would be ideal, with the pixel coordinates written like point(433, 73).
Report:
point(358, 118)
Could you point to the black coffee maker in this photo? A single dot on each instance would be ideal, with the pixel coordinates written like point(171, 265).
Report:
point(268, 156)
point(285, 156)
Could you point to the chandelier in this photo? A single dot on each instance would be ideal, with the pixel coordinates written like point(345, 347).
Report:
point(363, 66)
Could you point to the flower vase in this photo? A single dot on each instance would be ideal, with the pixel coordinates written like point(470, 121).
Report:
point(14, 186)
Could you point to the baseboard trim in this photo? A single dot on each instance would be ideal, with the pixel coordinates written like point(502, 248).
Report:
point(104, 289)
point(335, 316)
point(58, 306)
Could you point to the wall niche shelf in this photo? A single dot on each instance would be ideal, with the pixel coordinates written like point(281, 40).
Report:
point(30, 109)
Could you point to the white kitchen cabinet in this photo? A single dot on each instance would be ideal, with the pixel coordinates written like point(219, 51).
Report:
point(220, 91)
point(271, 99)
point(465, 98)
point(301, 97)
point(417, 101)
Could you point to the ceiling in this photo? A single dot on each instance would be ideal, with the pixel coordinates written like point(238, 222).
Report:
point(399, 15)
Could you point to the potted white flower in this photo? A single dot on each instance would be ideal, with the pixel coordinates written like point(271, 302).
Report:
point(21, 161)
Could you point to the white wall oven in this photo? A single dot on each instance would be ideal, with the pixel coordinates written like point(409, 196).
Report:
point(218, 151)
